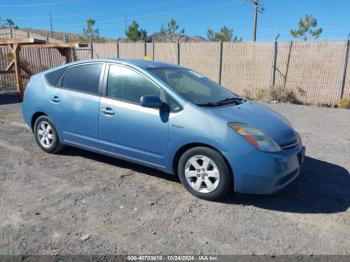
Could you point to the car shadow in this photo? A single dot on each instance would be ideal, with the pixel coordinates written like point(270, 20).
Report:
point(322, 187)
point(7, 98)
point(72, 151)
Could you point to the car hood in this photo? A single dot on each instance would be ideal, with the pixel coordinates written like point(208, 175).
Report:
point(261, 117)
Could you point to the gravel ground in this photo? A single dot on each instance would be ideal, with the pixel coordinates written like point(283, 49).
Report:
point(83, 203)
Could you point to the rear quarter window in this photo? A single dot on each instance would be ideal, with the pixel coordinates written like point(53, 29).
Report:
point(54, 76)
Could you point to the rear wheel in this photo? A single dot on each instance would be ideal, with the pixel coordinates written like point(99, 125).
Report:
point(204, 173)
point(46, 135)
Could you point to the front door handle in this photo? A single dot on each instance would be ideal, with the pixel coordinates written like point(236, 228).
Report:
point(107, 111)
point(55, 99)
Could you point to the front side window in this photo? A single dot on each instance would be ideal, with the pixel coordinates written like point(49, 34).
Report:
point(195, 87)
point(126, 84)
point(83, 78)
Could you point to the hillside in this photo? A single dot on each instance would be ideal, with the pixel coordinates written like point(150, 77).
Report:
point(73, 37)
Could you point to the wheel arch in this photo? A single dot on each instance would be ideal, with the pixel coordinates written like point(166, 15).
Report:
point(35, 116)
point(188, 146)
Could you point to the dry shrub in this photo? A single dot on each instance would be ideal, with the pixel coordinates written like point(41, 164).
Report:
point(344, 102)
point(260, 95)
point(283, 95)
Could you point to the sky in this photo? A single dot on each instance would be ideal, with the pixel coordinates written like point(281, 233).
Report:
point(196, 16)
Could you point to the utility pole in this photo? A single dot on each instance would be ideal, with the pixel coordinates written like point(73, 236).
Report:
point(256, 3)
point(257, 9)
point(51, 25)
point(126, 24)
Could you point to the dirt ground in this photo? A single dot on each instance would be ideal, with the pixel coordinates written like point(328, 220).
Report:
point(83, 203)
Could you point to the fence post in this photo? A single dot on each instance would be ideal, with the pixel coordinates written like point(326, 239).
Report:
point(153, 51)
point(145, 49)
point(92, 50)
point(288, 62)
point(74, 54)
point(118, 56)
point(274, 61)
point(346, 58)
point(221, 46)
point(178, 52)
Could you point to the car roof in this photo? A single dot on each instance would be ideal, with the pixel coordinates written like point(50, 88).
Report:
point(134, 62)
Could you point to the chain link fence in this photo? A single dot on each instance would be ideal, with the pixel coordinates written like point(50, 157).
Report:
point(315, 72)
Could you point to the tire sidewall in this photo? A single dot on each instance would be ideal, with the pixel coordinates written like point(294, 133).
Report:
point(225, 183)
point(55, 146)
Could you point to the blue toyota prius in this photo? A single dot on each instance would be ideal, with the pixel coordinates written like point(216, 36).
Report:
point(166, 117)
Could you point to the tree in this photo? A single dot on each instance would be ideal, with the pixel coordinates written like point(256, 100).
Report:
point(134, 33)
point(90, 34)
point(307, 28)
point(10, 25)
point(225, 34)
point(172, 31)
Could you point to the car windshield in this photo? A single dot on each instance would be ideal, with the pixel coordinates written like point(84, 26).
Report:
point(196, 88)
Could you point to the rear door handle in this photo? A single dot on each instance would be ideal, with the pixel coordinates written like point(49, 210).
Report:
point(107, 111)
point(55, 99)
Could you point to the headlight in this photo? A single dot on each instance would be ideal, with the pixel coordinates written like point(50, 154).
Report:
point(256, 137)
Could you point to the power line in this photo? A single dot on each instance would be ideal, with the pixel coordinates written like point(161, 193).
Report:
point(41, 4)
point(101, 12)
point(156, 16)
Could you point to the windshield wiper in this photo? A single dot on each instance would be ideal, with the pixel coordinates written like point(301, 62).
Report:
point(229, 100)
point(208, 104)
point(226, 101)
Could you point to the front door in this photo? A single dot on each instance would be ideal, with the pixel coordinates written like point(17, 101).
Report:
point(125, 127)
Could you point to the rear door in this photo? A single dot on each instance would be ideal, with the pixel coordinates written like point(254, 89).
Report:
point(126, 128)
point(76, 104)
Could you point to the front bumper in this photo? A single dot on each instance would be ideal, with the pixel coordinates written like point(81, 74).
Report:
point(265, 173)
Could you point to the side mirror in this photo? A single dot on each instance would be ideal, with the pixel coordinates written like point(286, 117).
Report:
point(151, 101)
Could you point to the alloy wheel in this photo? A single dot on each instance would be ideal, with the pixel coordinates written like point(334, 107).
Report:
point(202, 174)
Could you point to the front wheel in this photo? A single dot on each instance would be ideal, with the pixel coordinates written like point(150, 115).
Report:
point(205, 173)
point(46, 135)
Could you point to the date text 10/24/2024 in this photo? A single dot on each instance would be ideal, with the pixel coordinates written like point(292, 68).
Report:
point(172, 258)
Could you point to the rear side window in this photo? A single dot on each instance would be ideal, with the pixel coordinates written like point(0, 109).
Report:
point(83, 78)
point(54, 76)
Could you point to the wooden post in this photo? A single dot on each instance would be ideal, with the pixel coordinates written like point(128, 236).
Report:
point(153, 47)
point(66, 53)
point(15, 48)
point(74, 54)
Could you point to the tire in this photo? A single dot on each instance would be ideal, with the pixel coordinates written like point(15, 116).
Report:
point(205, 173)
point(46, 135)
